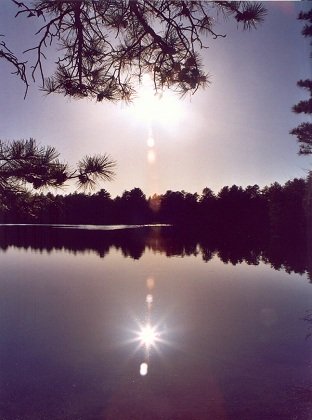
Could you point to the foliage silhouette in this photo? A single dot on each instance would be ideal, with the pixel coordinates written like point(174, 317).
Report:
point(18, 66)
point(107, 45)
point(276, 209)
point(270, 219)
point(171, 241)
point(24, 162)
point(304, 130)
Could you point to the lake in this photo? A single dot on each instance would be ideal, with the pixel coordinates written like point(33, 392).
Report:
point(143, 324)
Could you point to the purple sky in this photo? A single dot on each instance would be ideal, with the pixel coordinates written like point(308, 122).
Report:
point(233, 132)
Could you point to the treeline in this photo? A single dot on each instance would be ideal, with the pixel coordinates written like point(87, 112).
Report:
point(277, 210)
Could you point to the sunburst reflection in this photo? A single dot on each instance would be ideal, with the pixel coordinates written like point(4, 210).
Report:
point(148, 336)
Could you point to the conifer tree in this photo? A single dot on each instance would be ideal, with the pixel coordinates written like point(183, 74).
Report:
point(304, 130)
point(105, 46)
point(25, 163)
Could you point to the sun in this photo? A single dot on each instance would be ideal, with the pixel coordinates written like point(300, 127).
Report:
point(150, 107)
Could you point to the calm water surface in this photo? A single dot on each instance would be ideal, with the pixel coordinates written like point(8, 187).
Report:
point(89, 334)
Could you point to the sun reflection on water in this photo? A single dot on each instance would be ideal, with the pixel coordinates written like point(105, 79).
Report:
point(148, 336)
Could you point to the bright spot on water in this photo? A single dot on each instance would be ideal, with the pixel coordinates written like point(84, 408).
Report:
point(149, 299)
point(143, 369)
point(151, 156)
point(148, 336)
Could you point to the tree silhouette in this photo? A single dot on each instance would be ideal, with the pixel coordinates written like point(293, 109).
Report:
point(24, 162)
point(18, 66)
point(132, 207)
point(170, 241)
point(107, 45)
point(304, 130)
point(237, 222)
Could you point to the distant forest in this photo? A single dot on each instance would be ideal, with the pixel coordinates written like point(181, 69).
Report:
point(272, 224)
point(278, 210)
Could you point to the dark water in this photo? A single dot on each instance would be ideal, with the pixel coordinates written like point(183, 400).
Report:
point(138, 324)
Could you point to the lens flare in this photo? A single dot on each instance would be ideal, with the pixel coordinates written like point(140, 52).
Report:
point(151, 156)
point(150, 141)
point(150, 283)
point(149, 298)
point(143, 369)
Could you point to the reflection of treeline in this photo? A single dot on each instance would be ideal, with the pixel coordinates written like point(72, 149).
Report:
point(171, 241)
point(278, 211)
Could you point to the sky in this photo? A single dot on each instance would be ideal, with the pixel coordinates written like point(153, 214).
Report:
point(236, 131)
